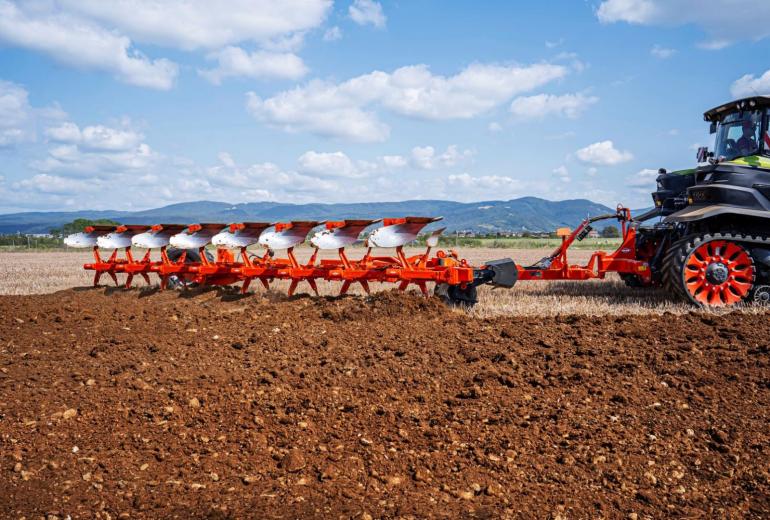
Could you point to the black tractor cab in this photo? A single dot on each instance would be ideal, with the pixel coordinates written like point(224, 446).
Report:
point(741, 129)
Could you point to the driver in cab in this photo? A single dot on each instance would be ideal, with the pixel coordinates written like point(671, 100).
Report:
point(747, 144)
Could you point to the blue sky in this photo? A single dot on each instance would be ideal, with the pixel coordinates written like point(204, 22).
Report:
point(134, 104)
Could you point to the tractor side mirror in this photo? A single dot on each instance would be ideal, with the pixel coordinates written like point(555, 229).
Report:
point(703, 154)
point(713, 127)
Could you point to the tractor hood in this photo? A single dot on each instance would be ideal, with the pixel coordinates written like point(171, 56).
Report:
point(701, 212)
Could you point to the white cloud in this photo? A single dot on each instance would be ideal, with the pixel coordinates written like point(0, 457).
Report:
point(394, 162)
point(415, 91)
point(425, 158)
point(66, 132)
point(14, 104)
point(495, 127)
point(498, 187)
point(631, 11)
point(106, 139)
point(552, 44)
point(98, 138)
point(226, 159)
point(338, 164)
point(18, 120)
point(542, 105)
point(110, 166)
point(725, 21)
point(11, 136)
point(643, 179)
point(661, 52)
point(73, 161)
point(749, 85)
point(641, 185)
point(367, 12)
point(100, 34)
point(203, 24)
point(94, 151)
point(562, 173)
point(317, 110)
point(15, 114)
point(330, 164)
point(236, 62)
point(54, 184)
point(81, 43)
point(603, 153)
point(273, 181)
point(344, 109)
point(333, 34)
point(291, 43)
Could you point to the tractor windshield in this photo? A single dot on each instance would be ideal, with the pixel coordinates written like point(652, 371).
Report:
point(739, 135)
point(766, 137)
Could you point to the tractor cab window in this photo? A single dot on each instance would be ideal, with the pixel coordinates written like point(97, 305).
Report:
point(739, 135)
point(766, 137)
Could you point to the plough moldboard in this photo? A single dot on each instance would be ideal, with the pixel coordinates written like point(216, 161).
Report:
point(178, 255)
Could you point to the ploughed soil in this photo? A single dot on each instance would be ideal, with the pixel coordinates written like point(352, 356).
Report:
point(121, 404)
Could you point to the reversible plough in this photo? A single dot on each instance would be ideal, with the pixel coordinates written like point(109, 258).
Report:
point(183, 259)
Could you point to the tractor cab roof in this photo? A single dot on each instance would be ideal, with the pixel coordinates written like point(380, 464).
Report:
point(750, 103)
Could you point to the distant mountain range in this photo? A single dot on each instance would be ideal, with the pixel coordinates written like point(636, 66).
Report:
point(527, 213)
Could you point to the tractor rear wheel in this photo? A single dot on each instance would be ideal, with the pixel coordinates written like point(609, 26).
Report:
point(710, 270)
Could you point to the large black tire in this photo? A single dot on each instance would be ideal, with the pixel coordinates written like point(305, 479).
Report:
point(176, 282)
point(455, 296)
point(673, 266)
point(192, 255)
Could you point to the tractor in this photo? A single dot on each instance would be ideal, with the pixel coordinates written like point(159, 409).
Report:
point(712, 242)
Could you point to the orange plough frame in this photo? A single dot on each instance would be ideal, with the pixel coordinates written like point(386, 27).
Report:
point(231, 267)
point(623, 260)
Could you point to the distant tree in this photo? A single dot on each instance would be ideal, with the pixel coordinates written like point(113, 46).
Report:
point(610, 232)
point(79, 224)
